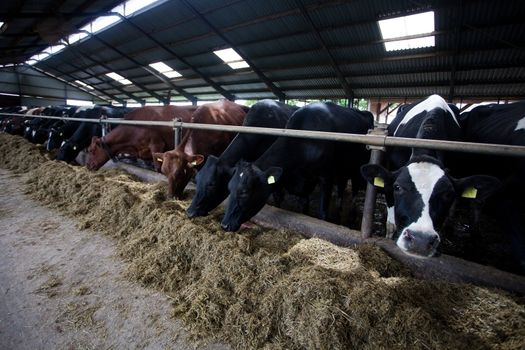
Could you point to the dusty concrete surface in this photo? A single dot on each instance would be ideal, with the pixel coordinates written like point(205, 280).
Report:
point(61, 288)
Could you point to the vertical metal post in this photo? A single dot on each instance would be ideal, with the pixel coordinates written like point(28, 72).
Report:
point(376, 155)
point(103, 126)
point(178, 131)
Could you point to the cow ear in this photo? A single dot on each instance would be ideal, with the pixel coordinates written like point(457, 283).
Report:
point(195, 160)
point(478, 187)
point(377, 175)
point(273, 174)
point(159, 157)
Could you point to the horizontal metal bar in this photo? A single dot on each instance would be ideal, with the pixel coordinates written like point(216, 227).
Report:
point(372, 140)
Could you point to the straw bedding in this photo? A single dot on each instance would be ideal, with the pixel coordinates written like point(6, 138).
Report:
point(269, 289)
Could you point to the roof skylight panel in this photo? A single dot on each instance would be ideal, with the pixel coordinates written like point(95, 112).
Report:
point(119, 78)
point(231, 58)
point(163, 68)
point(401, 27)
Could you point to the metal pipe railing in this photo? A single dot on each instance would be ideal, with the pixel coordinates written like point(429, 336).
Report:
point(371, 140)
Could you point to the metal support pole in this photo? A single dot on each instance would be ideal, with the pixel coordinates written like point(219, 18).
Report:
point(104, 126)
point(178, 131)
point(376, 155)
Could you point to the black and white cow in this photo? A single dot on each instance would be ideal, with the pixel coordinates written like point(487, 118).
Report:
point(212, 179)
point(501, 124)
point(420, 191)
point(298, 164)
point(81, 138)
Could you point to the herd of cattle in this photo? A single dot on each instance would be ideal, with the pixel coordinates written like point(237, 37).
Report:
point(420, 185)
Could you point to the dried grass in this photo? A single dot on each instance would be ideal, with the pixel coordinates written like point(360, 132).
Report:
point(272, 289)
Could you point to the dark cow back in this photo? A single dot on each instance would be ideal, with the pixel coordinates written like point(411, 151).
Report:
point(298, 164)
point(501, 124)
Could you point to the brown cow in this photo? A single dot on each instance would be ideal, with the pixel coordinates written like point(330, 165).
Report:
point(179, 164)
point(138, 141)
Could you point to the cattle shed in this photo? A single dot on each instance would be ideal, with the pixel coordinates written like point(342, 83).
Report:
point(286, 50)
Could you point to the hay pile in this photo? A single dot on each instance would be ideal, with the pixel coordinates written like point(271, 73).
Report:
point(17, 154)
point(272, 289)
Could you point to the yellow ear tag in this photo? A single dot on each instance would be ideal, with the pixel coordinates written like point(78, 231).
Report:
point(379, 182)
point(271, 180)
point(470, 192)
point(193, 163)
point(160, 160)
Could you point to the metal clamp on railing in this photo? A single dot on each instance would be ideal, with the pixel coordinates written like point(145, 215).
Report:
point(379, 130)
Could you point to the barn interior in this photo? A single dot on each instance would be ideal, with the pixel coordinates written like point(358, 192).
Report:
point(269, 288)
point(286, 50)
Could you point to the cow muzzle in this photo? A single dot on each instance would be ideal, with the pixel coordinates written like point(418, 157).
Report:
point(420, 243)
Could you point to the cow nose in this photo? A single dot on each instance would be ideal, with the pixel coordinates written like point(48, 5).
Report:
point(433, 241)
point(225, 227)
point(408, 235)
point(191, 213)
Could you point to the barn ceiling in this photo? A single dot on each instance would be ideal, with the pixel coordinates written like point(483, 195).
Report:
point(294, 49)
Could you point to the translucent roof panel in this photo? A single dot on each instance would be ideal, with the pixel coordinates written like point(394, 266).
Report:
point(401, 27)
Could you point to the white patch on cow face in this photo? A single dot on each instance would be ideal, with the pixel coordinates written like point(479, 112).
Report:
point(425, 177)
point(520, 125)
point(432, 102)
point(33, 133)
point(63, 143)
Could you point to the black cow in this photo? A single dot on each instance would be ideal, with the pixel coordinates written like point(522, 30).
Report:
point(63, 130)
point(212, 179)
point(501, 124)
point(420, 192)
point(70, 148)
point(37, 129)
point(298, 164)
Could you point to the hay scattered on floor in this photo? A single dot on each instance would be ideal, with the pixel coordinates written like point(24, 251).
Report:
point(272, 289)
point(49, 288)
point(78, 315)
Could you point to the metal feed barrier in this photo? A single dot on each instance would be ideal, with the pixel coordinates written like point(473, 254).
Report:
point(376, 141)
point(444, 267)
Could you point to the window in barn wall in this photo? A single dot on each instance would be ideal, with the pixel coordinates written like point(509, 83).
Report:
point(402, 27)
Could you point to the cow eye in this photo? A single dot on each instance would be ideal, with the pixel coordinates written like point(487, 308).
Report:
point(397, 188)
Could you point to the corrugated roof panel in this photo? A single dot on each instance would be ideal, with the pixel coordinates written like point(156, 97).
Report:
point(301, 72)
point(200, 90)
point(255, 95)
point(314, 93)
point(248, 10)
point(241, 87)
point(500, 90)
point(308, 83)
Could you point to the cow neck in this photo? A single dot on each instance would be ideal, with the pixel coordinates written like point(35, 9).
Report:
point(276, 156)
point(107, 150)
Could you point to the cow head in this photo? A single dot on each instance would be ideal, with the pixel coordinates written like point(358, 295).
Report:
point(54, 139)
point(68, 151)
point(178, 167)
point(249, 189)
point(97, 156)
point(212, 187)
point(422, 194)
